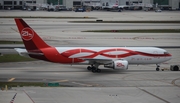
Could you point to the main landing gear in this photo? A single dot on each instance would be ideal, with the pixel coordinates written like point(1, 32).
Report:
point(157, 68)
point(94, 69)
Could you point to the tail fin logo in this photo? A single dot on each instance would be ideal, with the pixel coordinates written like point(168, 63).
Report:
point(27, 34)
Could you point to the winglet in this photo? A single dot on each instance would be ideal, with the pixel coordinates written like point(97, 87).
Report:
point(30, 38)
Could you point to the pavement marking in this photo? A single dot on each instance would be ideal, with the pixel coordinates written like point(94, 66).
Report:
point(174, 82)
point(10, 80)
point(154, 95)
point(29, 96)
point(12, 100)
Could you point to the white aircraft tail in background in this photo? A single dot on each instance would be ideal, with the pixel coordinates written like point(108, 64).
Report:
point(110, 6)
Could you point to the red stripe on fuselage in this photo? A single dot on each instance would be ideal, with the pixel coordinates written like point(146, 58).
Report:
point(72, 52)
point(53, 55)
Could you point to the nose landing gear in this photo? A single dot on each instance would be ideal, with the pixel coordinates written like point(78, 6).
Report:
point(157, 68)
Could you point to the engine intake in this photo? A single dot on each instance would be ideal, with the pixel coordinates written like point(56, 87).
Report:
point(118, 64)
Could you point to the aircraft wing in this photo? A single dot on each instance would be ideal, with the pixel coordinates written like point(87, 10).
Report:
point(98, 61)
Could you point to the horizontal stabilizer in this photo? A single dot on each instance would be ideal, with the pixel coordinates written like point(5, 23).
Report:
point(23, 52)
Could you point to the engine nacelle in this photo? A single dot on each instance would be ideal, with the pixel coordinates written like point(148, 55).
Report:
point(118, 64)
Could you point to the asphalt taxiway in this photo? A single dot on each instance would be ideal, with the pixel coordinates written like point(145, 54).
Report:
point(138, 84)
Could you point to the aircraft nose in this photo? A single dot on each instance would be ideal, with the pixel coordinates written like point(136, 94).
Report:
point(169, 56)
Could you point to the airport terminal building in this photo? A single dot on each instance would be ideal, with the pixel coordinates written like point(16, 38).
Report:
point(20, 4)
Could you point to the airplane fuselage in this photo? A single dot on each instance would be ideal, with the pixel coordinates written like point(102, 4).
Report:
point(134, 55)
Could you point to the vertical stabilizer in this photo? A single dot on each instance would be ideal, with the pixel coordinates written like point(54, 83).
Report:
point(30, 38)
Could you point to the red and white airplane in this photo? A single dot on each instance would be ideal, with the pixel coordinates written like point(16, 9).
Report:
point(111, 57)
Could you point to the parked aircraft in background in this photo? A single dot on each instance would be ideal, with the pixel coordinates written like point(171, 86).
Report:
point(110, 6)
point(117, 58)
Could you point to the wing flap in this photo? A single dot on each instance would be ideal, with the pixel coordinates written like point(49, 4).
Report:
point(99, 61)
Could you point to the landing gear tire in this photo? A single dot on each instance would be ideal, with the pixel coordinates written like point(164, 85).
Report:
point(93, 69)
point(157, 69)
point(176, 68)
point(89, 68)
point(98, 70)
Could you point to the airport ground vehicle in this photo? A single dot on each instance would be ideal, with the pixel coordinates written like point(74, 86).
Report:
point(80, 10)
point(158, 10)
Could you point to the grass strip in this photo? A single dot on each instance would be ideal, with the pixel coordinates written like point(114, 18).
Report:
point(21, 84)
point(14, 58)
point(138, 31)
point(10, 42)
point(39, 84)
point(101, 21)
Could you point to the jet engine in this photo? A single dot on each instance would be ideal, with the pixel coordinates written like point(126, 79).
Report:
point(118, 64)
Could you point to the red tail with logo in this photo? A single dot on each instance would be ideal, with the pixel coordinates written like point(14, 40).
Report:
point(30, 38)
point(37, 48)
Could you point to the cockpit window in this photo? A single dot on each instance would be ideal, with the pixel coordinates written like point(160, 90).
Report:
point(166, 53)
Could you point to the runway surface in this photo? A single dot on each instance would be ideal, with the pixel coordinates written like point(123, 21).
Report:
point(40, 71)
point(138, 84)
point(59, 33)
